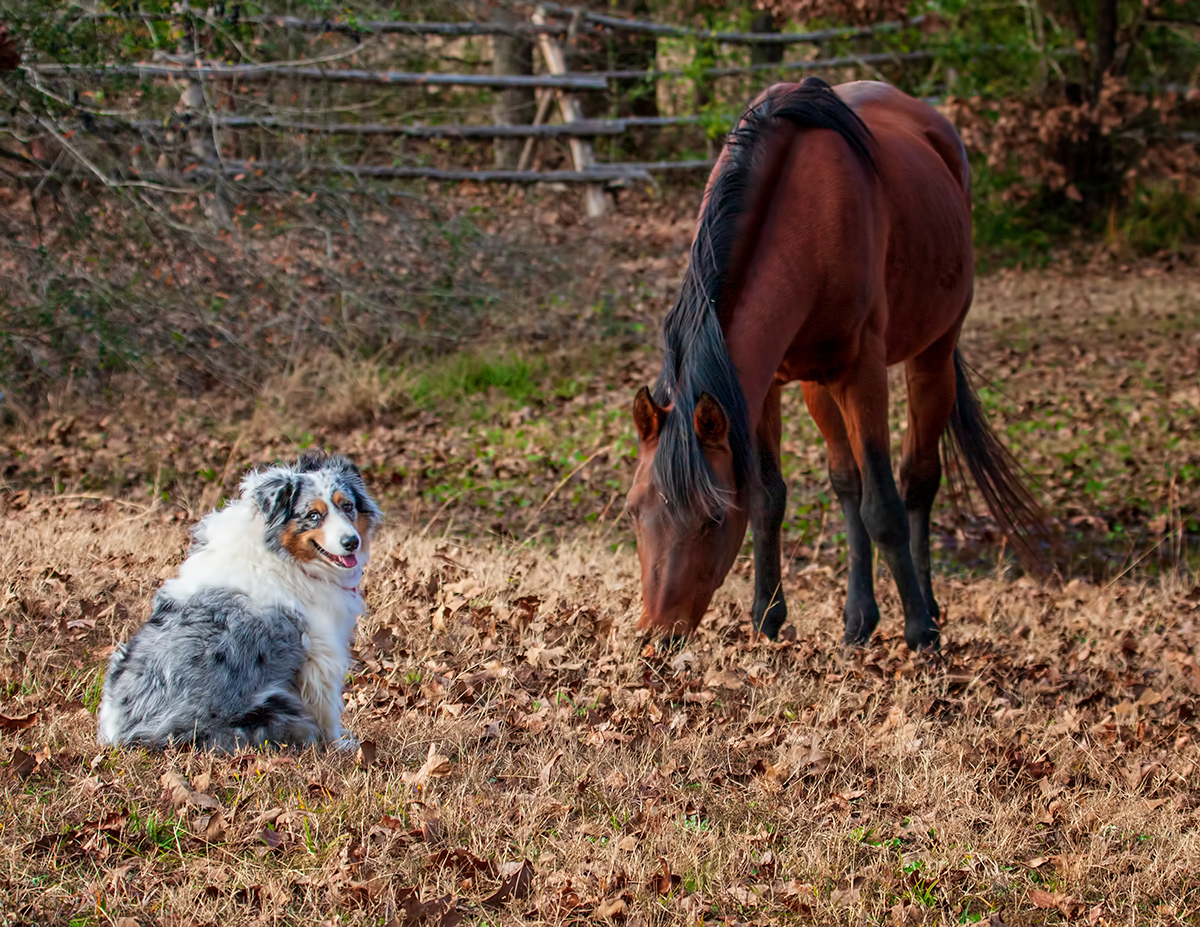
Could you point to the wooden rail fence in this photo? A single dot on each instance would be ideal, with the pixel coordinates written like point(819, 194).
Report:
point(200, 119)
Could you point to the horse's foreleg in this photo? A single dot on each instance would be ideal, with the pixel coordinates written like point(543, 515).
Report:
point(766, 518)
point(862, 398)
point(931, 390)
point(861, 614)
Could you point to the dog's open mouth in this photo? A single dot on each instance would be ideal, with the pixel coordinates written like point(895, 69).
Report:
point(348, 562)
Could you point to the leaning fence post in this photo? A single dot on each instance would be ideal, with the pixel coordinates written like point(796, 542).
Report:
point(582, 152)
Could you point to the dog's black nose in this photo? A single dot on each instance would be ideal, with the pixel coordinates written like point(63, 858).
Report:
point(350, 543)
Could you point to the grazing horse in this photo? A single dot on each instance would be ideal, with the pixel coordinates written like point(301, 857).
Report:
point(834, 240)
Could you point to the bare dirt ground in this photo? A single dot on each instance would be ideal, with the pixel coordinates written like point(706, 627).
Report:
point(527, 758)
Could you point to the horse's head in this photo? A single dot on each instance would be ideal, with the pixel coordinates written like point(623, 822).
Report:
point(686, 546)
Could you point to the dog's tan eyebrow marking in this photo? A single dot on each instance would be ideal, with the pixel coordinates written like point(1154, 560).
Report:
point(319, 506)
point(340, 499)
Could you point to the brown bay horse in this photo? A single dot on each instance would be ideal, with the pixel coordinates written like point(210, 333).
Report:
point(834, 241)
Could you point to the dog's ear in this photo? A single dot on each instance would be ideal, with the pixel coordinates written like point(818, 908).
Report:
point(274, 494)
point(311, 461)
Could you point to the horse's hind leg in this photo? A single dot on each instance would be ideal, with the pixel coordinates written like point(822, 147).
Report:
point(861, 614)
point(862, 398)
point(766, 518)
point(931, 392)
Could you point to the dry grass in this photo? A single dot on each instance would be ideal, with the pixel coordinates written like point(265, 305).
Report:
point(1044, 767)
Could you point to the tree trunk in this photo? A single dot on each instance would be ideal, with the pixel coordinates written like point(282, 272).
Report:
point(511, 55)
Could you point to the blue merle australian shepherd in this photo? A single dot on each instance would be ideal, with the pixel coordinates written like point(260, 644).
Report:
point(250, 643)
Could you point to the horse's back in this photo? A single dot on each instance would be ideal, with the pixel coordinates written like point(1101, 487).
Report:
point(841, 253)
point(926, 191)
point(889, 112)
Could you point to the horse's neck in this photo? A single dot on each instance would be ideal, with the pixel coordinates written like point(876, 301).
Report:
point(756, 352)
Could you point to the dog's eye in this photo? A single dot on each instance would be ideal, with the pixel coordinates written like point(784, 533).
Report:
point(314, 518)
point(348, 508)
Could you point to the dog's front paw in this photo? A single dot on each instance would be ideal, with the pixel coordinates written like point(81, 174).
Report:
point(345, 744)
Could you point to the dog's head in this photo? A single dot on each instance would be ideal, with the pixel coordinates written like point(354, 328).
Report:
point(318, 513)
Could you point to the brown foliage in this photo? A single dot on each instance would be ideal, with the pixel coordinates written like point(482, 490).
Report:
point(1085, 149)
point(843, 12)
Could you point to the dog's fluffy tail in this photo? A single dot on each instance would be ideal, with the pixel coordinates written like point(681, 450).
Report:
point(278, 717)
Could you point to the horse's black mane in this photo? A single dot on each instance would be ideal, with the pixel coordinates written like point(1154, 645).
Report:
point(695, 359)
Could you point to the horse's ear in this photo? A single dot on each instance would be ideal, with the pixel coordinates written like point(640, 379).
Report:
point(710, 421)
point(647, 414)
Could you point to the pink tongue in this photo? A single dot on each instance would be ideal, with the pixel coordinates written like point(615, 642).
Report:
point(349, 562)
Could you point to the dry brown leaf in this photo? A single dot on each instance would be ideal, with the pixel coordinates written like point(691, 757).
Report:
point(723, 679)
point(547, 771)
point(22, 763)
point(214, 827)
point(435, 766)
point(180, 793)
point(12, 725)
point(663, 881)
point(611, 908)
point(1057, 900)
point(516, 882)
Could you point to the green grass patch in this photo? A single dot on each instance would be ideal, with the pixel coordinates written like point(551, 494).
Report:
point(469, 374)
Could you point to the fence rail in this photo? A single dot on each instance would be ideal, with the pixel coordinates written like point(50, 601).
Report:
point(587, 128)
point(344, 27)
point(260, 72)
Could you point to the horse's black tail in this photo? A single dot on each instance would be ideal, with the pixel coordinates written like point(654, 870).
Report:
point(998, 475)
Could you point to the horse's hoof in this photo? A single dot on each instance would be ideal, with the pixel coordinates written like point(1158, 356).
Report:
point(771, 623)
point(924, 639)
point(860, 625)
point(769, 615)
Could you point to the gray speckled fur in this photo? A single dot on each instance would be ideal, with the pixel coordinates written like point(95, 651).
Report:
point(213, 670)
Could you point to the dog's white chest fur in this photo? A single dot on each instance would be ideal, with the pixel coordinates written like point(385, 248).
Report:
point(231, 553)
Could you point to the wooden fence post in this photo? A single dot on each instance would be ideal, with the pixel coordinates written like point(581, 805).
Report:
point(511, 55)
point(582, 152)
